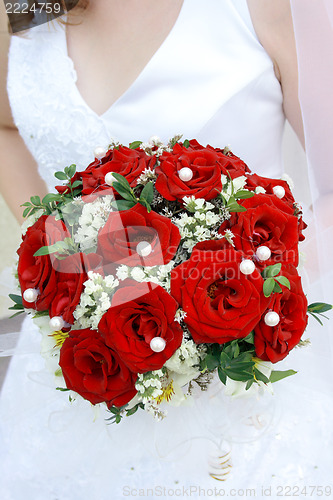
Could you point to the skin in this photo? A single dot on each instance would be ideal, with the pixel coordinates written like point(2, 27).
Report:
point(111, 40)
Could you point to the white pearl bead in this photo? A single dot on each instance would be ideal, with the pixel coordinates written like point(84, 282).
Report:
point(263, 253)
point(157, 344)
point(279, 191)
point(185, 174)
point(30, 295)
point(109, 179)
point(56, 323)
point(144, 248)
point(272, 318)
point(247, 266)
point(99, 152)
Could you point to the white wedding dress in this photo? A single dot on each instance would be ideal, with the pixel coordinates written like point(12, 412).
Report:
point(210, 80)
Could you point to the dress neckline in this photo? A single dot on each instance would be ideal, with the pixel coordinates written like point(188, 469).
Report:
point(163, 46)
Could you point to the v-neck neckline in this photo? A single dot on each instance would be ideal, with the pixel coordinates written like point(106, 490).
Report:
point(138, 78)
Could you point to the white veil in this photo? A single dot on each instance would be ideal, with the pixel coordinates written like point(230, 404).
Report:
point(313, 26)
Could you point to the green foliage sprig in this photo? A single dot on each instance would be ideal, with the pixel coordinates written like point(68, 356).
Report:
point(273, 282)
point(236, 360)
point(54, 201)
point(129, 195)
point(317, 309)
point(119, 412)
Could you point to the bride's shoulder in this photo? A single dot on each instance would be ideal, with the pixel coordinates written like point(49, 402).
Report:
point(272, 21)
point(6, 119)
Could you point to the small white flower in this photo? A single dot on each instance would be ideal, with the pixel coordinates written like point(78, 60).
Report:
point(260, 190)
point(122, 272)
point(138, 274)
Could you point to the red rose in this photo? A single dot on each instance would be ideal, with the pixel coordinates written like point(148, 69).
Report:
point(273, 343)
point(206, 165)
point(235, 166)
point(118, 239)
point(267, 221)
point(140, 312)
point(220, 302)
point(254, 181)
point(130, 163)
point(70, 275)
point(94, 371)
point(38, 272)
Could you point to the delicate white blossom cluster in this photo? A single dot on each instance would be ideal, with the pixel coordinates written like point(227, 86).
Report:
point(155, 146)
point(148, 175)
point(185, 361)
point(200, 226)
point(149, 385)
point(160, 275)
point(232, 186)
point(95, 299)
point(180, 315)
point(94, 216)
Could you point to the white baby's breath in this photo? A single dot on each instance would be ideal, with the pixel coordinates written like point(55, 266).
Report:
point(95, 299)
point(93, 217)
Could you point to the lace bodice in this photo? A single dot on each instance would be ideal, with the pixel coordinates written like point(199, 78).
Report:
point(219, 88)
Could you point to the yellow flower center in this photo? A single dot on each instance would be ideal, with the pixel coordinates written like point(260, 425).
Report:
point(59, 337)
point(167, 393)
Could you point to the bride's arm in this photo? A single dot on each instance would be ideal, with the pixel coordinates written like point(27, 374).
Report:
point(273, 23)
point(19, 178)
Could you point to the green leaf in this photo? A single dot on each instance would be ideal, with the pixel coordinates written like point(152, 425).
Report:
point(243, 194)
point(16, 298)
point(16, 314)
point(316, 317)
point(71, 170)
point(40, 314)
point(249, 384)
point(211, 362)
point(186, 143)
point(16, 307)
point(146, 205)
point(271, 271)
point(121, 179)
point(35, 200)
point(250, 338)
point(26, 211)
point(126, 193)
point(239, 376)
point(283, 281)
point(42, 251)
point(260, 376)
point(122, 204)
point(279, 375)
point(222, 375)
point(135, 144)
point(148, 192)
point(268, 286)
point(62, 389)
point(234, 207)
point(319, 307)
point(61, 176)
point(26, 204)
point(49, 198)
point(277, 288)
point(76, 183)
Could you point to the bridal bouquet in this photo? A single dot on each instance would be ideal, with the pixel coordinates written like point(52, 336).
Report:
point(160, 267)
